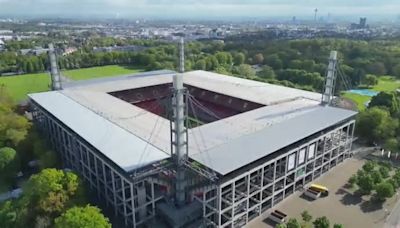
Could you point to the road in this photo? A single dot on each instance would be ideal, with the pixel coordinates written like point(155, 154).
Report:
point(393, 220)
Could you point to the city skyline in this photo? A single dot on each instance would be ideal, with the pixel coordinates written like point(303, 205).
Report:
point(199, 9)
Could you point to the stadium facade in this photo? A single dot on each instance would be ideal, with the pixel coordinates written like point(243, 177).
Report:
point(250, 144)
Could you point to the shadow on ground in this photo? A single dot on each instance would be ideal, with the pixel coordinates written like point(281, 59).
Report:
point(371, 205)
point(341, 191)
point(351, 199)
point(269, 222)
point(306, 198)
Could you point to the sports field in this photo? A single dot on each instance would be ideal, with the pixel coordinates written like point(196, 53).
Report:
point(99, 72)
point(19, 86)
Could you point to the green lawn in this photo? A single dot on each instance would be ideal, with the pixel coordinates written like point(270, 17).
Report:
point(360, 100)
point(99, 72)
point(19, 86)
point(386, 83)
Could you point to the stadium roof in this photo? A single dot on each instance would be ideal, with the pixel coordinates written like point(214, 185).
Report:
point(133, 137)
point(249, 148)
point(114, 142)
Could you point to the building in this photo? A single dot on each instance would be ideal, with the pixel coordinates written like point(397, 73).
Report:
point(69, 51)
point(34, 51)
point(250, 144)
point(361, 25)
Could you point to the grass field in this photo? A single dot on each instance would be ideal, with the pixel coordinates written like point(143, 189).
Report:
point(386, 83)
point(19, 86)
point(99, 72)
point(360, 100)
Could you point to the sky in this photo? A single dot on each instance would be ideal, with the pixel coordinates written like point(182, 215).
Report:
point(198, 9)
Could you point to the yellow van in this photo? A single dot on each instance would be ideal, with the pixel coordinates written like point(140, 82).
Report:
point(320, 188)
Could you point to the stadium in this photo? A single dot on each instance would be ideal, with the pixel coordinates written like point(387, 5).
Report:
point(194, 149)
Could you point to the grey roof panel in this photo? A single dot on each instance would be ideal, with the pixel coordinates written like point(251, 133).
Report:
point(120, 146)
point(249, 148)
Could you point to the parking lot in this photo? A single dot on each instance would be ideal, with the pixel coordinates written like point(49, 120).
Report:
point(341, 206)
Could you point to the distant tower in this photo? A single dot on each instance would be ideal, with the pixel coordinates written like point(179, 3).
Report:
point(315, 14)
point(179, 136)
point(363, 22)
point(54, 71)
point(330, 80)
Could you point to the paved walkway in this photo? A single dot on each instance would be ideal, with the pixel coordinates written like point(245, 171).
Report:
point(393, 221)
point(341, 206)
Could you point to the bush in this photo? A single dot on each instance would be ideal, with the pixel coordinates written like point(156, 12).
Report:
point(384, 171)
point(384, 190)
point(365, 184)
point(7, 156)
point(293, 223)
point(369, 166)
point(321, 222)
point(306, 216)
point(352, 180)
point(88, 216)
point(376, 176)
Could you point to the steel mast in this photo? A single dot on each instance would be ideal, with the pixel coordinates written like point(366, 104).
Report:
point(54, 71)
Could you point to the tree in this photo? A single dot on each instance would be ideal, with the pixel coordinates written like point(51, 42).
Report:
point(239, 58)
point(369, 166)
point(293, 223)
point(376, 125)
point(281, 225)
point(267, 72)
point(7, 156)
point(338, 225)
point(386, 99)
point(384, 190)
point(377, 68)
point(258, 58)
point(77, 217)
point(13, 127)
point(396, 70)
point(274, 61)
point(321, 222)
point(51, 191)
point(301, 77)
point(305, 215)
point(8, 215)
point(370, 80)
point(211, 63)
point(393, 182)
point(352, 180)
point(384, 171)
point(365, 183)
point(391, 144)
point(200, 65)
point(221, 70)
point(396, 178)
point(376, 176)
point(246, 71)
point(224, 58)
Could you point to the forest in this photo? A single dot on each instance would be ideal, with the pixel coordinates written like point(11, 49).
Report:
point(294, 63)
